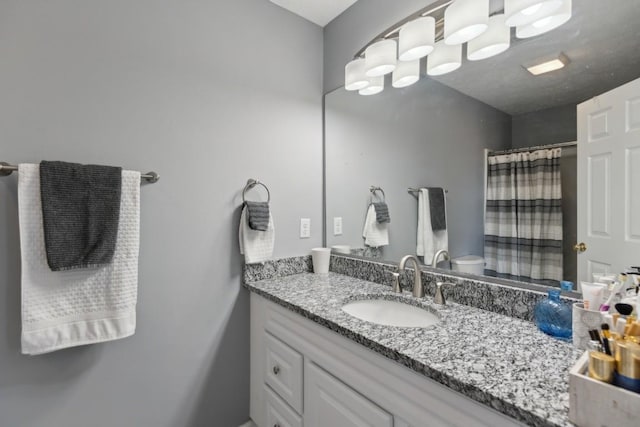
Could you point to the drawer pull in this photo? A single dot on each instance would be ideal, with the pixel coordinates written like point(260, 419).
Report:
point(276, 371)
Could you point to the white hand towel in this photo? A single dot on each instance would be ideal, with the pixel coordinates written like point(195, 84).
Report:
point(256, 246)
point(374, 233)
point(429, 241)
point(76, 307)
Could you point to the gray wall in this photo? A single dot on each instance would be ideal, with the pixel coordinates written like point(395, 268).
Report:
point(207, 94)
point(549, 126)
point(425, 135)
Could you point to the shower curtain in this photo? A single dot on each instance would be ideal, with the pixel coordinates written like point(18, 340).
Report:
point(523, 223)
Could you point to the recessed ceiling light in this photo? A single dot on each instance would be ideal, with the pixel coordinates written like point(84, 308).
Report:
point(547, 65)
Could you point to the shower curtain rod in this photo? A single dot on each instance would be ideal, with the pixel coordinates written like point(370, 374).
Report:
point(537, 147)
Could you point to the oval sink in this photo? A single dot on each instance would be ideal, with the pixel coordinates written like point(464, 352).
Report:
point(391, 313)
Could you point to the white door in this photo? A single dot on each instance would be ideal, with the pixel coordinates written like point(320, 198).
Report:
point(609, 181)
point(330, 402)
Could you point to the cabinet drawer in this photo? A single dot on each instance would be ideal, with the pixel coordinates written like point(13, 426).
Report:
point(330, 402)
point(279, 414)
point(283, 371)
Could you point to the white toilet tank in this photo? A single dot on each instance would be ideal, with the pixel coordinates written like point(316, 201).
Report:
point(468, 264)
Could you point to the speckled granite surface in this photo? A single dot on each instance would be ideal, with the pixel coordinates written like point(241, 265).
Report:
point(495, 295)
point(501, 361)
point(277, 268)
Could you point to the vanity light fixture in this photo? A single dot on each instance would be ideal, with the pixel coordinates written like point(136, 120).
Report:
point(444, 59)
point(547, 23)
point(548, 65)
point(380, 58)
point(495, 40)
point(465, 20)
point(522, 12)
point(376, 85)
point(406, 73)
point(354, 78)
point(416, 38)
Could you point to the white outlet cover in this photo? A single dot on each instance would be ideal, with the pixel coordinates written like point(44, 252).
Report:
point(305, 228)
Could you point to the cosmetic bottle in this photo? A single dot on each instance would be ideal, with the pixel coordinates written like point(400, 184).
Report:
point(553, 316)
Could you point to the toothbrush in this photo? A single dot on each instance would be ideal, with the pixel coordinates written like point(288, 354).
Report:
point(607, 304)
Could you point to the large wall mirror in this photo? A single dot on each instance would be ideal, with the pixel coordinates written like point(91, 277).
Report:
point(439, 132)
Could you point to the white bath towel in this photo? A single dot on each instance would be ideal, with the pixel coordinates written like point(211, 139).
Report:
point(375, 234)
point(83, 306)
point(428, 241)
point(256, 246)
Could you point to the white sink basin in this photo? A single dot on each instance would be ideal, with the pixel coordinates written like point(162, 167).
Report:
point(391, 313)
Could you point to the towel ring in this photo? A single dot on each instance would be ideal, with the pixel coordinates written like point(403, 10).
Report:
point(252, 183)
point(374, 189)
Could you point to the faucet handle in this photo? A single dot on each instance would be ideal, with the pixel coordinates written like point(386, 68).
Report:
point(439, 296)
point(395, 282)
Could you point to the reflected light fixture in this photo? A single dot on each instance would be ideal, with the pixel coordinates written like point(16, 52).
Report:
point(547, 65)
point(522, 12)
point(354, 78)
point(376, 85)
point(495, 40)
point(416, 38)
point(547, 23)
point(444, 59)
point(465, 20)
point(380, 58)
point(406, 73)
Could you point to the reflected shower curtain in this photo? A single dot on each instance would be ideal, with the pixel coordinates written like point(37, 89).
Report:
point(523, 224)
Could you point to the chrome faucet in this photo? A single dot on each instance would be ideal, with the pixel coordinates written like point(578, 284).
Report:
point(434, 262)
point(418, 289)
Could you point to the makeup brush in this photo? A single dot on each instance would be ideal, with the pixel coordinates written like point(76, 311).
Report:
point(624, 309)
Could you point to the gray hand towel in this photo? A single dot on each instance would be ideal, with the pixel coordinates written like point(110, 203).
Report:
point(258, 215)
point(81, 211)
point(437, 208)
point(382, 212)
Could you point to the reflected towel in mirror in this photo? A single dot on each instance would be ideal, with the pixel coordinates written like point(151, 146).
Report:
point(429, 241)
point(375, 234)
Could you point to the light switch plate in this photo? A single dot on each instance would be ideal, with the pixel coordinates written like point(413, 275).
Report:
point(337, 226)
point(305, 228)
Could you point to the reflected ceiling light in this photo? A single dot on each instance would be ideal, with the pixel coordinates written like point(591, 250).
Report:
point(406, 73)
point(376, 85)
point(416, 39)
point(354, 78)
point(444, 59)
point(495, 40)
point(522, 12)
point(547, 65)
point(465, 20)
point(545, 24)
point(380, 58)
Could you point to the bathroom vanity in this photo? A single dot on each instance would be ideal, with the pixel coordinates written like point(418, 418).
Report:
point(313, 364)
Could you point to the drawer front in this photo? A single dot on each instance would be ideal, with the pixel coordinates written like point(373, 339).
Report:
point(283, 371)
point(279, 414)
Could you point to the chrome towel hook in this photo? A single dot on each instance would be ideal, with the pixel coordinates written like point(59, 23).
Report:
point(252, 183)
point(374, 190)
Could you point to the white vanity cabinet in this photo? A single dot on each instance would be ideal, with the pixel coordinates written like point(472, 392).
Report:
point(303, 374)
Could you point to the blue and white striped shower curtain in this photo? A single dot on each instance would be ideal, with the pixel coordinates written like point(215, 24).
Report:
point(523, 223)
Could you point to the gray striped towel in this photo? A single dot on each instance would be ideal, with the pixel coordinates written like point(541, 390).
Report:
point(258, 213)
point(382, 212)
point(81, 211)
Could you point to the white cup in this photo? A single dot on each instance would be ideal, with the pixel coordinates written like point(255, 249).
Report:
point(341, 249)
point(320, 258)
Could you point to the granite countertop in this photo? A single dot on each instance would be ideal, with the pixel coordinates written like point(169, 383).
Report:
point(500, 361)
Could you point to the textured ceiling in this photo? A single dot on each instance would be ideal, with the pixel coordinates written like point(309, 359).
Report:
point(319, 12)
point(602, 40)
